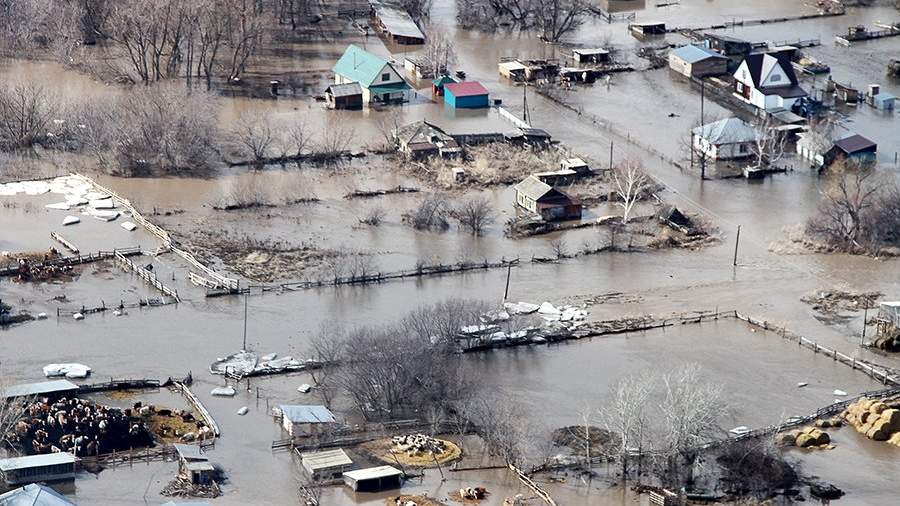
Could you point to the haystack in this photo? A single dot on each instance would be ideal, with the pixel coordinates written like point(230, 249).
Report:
point(878, 420)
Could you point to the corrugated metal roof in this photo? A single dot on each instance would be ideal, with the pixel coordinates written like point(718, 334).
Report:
point(396, 20)
point(533, 188)
point(29, 461)
point(359, 65)
point(307, 414)
point(34, 495)
point(44, 387)
point(726, 131)
point(694, 54)
point(466, 89)
point(190, 452)
point(854, 144)
point(325, 459)
point(345, 90)
point(372, 473)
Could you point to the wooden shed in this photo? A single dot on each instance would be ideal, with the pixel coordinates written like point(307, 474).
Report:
point(696, 61)
point(596, 55)
point(326, 465)
point(344, 96)
point(374, 479)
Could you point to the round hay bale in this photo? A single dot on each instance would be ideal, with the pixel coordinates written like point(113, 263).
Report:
point(823, 424)
point(892, 416)
point(805, 440)
point(878, 432)
point(821, 438)
point(865, 416)
point(895, 439)
point(877, 408)
point(787, 438)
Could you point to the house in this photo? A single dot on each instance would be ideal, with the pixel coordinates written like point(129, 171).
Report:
point(561, 177)
point(821, 153)
point(726, 139)
point(596, 55)
point(194, 465)
point(326, 465)
point(299, 420)
point(421, 67)
point(374, 479)
point(466, 95)
point(379, 80)
point(344, 96)
point(34, 495)
point(536, 137)
point(696, 61)
point(537, 197)
point(577, 165)
point(395, 23)
point(514, 70)
point(35, 468)
point(437, 86)
point(421, 140)
point(528, 70)
point(55, 388)
point(844, 92)
point(648, 28)
point(767, 81)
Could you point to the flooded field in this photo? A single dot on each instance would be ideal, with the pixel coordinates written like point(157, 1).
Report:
point(644, 114)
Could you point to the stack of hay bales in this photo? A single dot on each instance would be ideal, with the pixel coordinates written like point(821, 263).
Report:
point(806, 437)
point(876, 419)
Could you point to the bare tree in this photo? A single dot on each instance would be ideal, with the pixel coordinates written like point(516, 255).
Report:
point(245, 33)
point(475, 214)
point(841, 217)
point(374, 217)
point(631, 182)
point(626, 417)
point(327, 347)
point(334, 142)
point(690, 410)
point(559, 248)
point(431, 214)
point(769, 143)
point(253, 133)
point(26, 112)
point(11, 410)
point(295, 139)
point(557, 18)
point(440, 52)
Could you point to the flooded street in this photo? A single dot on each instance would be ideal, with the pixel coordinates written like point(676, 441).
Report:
point(758, 371)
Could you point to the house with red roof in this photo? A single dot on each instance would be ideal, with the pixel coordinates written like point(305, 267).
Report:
point(466, 95)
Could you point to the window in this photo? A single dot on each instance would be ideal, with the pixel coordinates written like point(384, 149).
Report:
point(743, 148)
point(775, 78)
point(385, 77)
point(740, 87)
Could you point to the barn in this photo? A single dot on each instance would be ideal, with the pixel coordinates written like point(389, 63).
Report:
point(695, 61)
point(467, 95)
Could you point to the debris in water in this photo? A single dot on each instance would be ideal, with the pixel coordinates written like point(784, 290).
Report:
point(517, 308)
point(67, 370)
point(129, 226)
point(62, 206)
point(42, 316)
point(78, 316)
point(839, 392)
point(247, 363)
point(223, 392)
point(802, 384)
point(243, 411)
point(71, 220)
point(548, 309)
point(304, 388)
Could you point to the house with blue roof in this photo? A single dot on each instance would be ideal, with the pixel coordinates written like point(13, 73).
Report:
point(379, 80)
point(299, 420)
point(697, 61)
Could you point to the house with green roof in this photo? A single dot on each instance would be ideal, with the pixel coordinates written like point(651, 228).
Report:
point(379, 80)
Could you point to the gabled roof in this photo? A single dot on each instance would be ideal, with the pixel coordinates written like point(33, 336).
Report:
point(441, 81)
point(694, 54)
point(421, 132)
point(34, 495)
point(396, 19)
point(761, 64)
point(855, 144)
point(359, 65)
point(372, 473)
point(466, 89)
point(326, 459)
point(344, 90)
point(307, 414)
point(726, 131)
point(190, 452)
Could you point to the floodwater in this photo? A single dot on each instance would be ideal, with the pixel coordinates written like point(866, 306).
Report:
point(758, 371)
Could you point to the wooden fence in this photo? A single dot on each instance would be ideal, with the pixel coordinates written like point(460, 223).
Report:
point(149, 276)
point(66, 244)
point(72, 260)
point(198, 406)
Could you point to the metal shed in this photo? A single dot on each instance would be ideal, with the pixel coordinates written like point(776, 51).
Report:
point(374, 479)
point(56, 387)
point(466, 95)
point(303, 419)
point(34, 468)
point(326, 465)
point(396, 23)
point(344, 96)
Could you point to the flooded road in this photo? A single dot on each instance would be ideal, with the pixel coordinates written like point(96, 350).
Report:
point(758, 371)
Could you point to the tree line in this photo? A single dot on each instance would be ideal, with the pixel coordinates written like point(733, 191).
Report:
point(551, 19)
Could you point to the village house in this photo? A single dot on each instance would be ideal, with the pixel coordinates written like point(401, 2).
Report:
point(38, 468)
point(421, 140)
point(595, 55)
point(768, 81)
point(326, 465)
point(421, 67)
point(395, 23)
point(466, 95)
point(696, 61)
point(194, 465)
point(726, 139)
point(541, 199)
point(300, 420)
point(344, 96)
point(849, 146)
point(528, 70)
point(379, 80)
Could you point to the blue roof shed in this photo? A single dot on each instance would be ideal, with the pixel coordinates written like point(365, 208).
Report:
point(467, 95)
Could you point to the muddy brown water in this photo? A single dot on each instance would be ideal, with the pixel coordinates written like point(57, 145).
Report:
point(758, 371)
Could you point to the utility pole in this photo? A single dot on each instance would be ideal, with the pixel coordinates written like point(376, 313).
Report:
point(508, 274)
point(737, 240)
point(862, 340)
point(702, 122)
point(610, 154)
point(247, 296)
point(525, 104)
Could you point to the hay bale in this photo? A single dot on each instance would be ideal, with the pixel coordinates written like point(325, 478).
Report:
point(877, 408)
point(865, 417)
point(892, 416)
point(895, 439)
point(819, 437)
point(880, 431)
point(788, 438)
point(805, 441)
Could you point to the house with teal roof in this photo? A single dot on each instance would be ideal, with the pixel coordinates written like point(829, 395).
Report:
point(379, 80)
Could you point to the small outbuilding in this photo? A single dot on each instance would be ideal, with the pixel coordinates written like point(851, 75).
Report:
point(884, 101)
point(647, 28)
point(576, 165)
point(696, 61)
point(298, 420)
point(53, 388)
point(326, 465)
point(437, 86)
point(726, 139)
point(37, 468)
point(514, 70)
point(374, 479)
point(855, 148)
point(466, 95)
point(395, 23)
point(34, 494)
point(422, 140)
point(194, 465)
point(595, 55)
point(344, 96)
point(551, 204)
